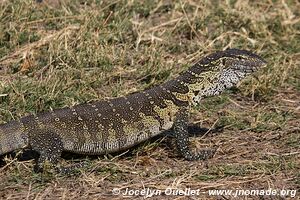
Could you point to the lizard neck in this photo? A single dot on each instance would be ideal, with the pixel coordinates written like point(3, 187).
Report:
point(192, 86)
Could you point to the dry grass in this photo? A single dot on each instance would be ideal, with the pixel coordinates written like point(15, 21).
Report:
point(61, 53)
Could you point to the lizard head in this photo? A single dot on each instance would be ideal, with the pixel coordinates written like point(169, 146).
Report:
point(240, 61)
point(222, 70)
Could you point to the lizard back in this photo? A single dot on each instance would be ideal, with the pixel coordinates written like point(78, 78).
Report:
point(109, 125)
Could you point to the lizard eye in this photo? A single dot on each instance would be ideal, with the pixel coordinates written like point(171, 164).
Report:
point(223, 62)
point(240, 57)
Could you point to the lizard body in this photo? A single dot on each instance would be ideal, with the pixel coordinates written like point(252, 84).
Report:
point(108, 126)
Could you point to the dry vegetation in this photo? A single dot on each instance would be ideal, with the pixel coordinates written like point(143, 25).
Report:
point(61, 53)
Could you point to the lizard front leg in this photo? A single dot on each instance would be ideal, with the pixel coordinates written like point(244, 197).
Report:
point(180, 129)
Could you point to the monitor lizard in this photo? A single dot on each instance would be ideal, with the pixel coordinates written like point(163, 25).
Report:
point(107, 126)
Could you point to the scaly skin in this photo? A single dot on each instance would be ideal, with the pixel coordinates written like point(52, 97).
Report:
point(109, 126)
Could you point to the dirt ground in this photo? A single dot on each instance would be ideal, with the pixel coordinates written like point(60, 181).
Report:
point(55, 54)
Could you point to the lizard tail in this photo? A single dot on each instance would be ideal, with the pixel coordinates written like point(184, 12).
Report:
point(12, 137)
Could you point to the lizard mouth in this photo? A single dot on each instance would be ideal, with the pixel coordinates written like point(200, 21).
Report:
point(246, 61)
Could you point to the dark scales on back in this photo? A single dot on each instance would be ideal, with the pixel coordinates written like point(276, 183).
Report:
point(110, 126)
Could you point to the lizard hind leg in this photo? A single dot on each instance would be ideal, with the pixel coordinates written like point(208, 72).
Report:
point(49, 146)
point(180, 129)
